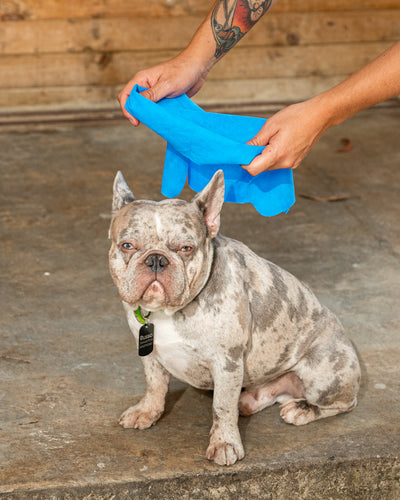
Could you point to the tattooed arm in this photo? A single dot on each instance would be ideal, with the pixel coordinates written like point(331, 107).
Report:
point(232, 19)
point(225, 25)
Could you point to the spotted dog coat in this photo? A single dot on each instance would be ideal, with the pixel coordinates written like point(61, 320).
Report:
point(224, 319)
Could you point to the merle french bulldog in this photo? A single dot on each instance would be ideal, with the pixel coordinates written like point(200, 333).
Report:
point(207, 310)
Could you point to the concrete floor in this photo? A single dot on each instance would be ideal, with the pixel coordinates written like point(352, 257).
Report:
point(68, 361)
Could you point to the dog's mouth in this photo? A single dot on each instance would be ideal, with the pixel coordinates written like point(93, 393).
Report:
point(155, 295)
point(155, 291)
point(159, 294)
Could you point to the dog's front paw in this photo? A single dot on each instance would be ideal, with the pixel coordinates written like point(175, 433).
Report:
point(225, 453)
point(139, 417)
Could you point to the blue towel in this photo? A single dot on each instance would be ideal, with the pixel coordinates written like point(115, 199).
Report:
point(200, 143)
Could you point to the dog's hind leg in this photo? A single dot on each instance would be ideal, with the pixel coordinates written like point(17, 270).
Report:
point(284, 388)
point(330, 374)
point(300, 412)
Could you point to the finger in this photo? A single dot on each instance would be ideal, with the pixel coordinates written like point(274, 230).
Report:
point(122, 98)
point(135, 122)
point(262, 162)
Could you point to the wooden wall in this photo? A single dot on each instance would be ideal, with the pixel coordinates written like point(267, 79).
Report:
point(76, 53)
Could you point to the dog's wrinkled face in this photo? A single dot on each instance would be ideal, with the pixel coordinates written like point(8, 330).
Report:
point(157, 253)
point(161, 252)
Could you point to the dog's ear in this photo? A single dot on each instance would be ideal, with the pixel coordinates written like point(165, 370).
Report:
point(122, 195)
point(210, 201)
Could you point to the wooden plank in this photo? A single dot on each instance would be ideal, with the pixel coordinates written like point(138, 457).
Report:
point(325, 27)
point(76, 9)
point(244, 63)
point(53, 36)
point(264, 90)
point(213, 93)
point(296, 61)
point(174, 33)
point(89, 68)
point(333, 5)
point(78, 97)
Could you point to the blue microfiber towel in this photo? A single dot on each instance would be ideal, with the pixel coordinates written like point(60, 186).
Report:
point(200, 143)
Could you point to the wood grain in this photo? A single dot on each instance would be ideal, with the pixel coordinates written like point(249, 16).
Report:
point(14, 10)
point(54, 36)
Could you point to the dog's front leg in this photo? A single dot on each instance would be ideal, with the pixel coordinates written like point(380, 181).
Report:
point(225, 446)
point(151, 406)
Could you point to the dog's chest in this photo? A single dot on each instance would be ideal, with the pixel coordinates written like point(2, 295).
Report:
point(181, 357)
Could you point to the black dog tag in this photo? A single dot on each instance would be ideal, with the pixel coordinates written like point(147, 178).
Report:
point(146, 339)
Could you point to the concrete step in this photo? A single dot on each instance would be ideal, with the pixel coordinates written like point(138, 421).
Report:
point(68, 361)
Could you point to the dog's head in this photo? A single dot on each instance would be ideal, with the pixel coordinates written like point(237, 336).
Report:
point(161, 252)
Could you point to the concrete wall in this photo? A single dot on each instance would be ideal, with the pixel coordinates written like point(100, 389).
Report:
point(81, 52)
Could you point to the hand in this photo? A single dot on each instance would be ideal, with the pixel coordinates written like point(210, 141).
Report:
point(289, 135)
point(172, 78)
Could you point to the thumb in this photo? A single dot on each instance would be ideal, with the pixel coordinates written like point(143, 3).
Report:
point(267, 158)
point(155, 93)
point(257, 141)
point(263, 136)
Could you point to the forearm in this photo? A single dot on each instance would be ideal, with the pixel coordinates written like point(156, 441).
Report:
point(376, 82)
point(228, 21)
point(226, 24)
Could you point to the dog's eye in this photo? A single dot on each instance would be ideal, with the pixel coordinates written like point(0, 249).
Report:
point(127, 246)
point(186, 249)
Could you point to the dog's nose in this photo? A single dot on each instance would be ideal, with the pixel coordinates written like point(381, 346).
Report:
point(156, 262)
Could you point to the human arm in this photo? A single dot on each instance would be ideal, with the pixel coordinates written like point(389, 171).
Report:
point(291, 133)
point(227, 22)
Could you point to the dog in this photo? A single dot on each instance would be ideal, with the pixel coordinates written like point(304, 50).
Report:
point(207, 310)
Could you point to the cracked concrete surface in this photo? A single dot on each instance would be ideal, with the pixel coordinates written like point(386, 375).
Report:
point(68, 362)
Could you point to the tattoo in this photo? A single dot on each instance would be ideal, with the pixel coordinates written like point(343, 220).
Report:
point(232, 19)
